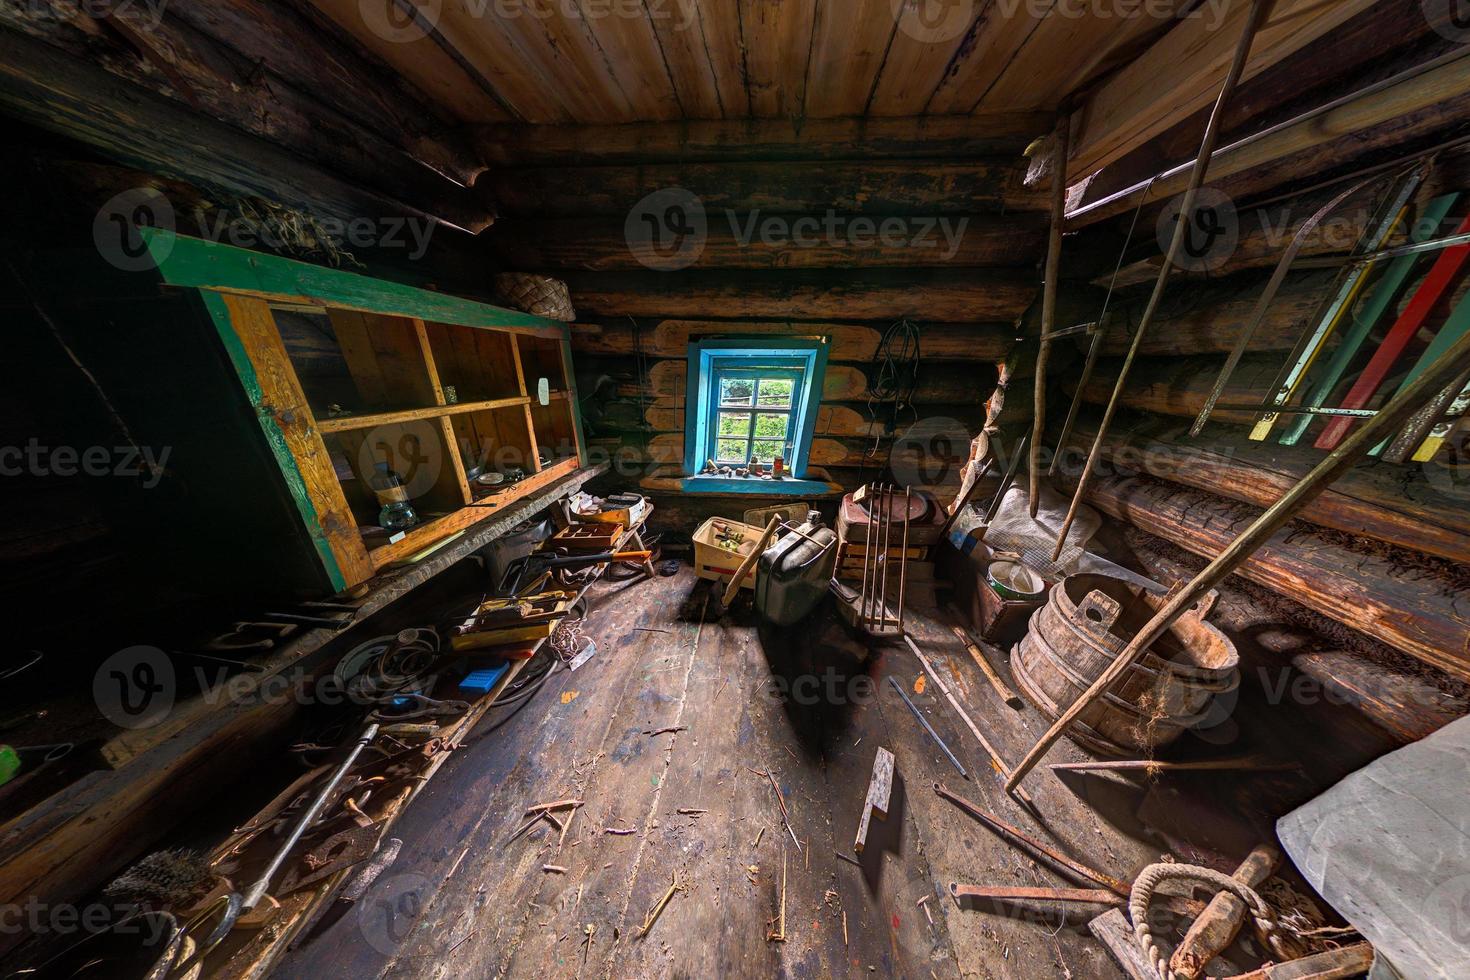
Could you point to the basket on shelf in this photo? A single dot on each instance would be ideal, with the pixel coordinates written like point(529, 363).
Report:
point(541, 295)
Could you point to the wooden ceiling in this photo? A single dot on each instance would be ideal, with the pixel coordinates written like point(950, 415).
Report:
point(618, 61)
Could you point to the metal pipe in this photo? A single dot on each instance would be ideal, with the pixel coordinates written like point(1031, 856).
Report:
point(1444, 371)
point(1049, 302)
point(1414, 248)
point(1260, 9)
point(257, 891)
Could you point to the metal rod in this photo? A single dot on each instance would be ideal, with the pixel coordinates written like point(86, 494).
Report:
point(1260, 9)
point(1449, 366)
point(888, 535)
point(1093, 353)
point(1017, 836)
point(903, 557)
point(1268, 295)
point(1333, 262)
point(257, 890)
point(927, 727)
point(1005, 484)
point(964, 500)
point(868, 551)
point(1049, 301)
point(1351, 413)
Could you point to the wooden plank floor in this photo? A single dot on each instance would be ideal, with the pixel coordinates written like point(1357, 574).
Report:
point(460, 902)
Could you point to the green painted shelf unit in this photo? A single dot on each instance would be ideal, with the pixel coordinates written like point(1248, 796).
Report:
point(344, 371)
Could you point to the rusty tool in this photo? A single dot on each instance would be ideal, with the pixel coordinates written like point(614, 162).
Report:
point(1119, 888)
point(1085, 896)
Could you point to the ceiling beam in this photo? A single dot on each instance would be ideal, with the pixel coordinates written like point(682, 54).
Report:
point(1409, 106)
point(63, 94)
point(1182, 73)
point(852, 138)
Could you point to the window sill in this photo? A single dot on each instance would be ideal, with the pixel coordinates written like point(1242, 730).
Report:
point(726, 485)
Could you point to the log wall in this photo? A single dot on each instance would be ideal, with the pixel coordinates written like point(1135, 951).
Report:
point(795, 243)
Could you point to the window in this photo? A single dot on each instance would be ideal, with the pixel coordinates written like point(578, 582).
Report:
point(753, 414)
point(753, 397)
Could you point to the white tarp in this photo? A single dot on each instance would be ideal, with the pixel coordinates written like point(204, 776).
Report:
point(1389, 848)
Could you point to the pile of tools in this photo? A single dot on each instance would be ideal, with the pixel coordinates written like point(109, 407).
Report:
point(884, 537)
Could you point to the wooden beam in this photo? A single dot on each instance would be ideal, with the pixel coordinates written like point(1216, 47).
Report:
point(1424, 614)
point(1133, 107)
point(61, 94)
point(1375, 500)
point(201, 75)
point(925, 295)
point(301, 48)
point(853, 188)
point(853, 343)
point(951, 384)
point(756, 241)
point(745, 139)
point(1409, 107)
point(416, 54)
point(1180, 385)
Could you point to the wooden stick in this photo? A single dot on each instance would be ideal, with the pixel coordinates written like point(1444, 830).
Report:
point(887, 525)
point(1335, 964)
point(903, 554)
point(1213, 932)
point(1260, 9)
point(1049, 298)
point(1120, 888)
point(1099, 337)
point(658, 907)
point(1249, 764)
point(749, 563)
point(1010, 697)
point(999, 893)
point(996, 761)
point(1398, 411)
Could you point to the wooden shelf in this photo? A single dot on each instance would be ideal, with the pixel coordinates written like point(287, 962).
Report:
point(350, 423)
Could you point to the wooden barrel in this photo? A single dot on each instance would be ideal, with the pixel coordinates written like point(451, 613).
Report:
point(1085, 624)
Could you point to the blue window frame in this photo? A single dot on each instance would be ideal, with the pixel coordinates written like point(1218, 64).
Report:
point(753, 396)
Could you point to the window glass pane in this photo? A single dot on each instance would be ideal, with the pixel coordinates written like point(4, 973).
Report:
point(737, 391)
point(735, 424)
point(732, 451)
point(770, 426)
point(767, 451)
point(776, 392)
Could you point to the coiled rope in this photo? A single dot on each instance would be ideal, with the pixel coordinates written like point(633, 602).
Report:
point(1155, 874)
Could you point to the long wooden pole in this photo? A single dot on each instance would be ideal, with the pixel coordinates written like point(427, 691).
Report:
point(1049, 298)
point(1450, 365)
point(1260, 10)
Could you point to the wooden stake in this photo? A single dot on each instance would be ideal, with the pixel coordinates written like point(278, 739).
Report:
point(1260, 10)
point(1010, 697)
point(1388, 420)
point(1049, 298)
